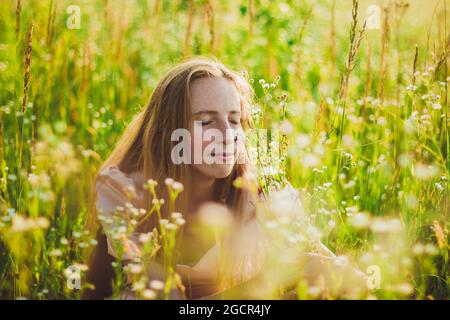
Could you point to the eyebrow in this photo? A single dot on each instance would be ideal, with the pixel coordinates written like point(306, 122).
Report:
point(214, 112)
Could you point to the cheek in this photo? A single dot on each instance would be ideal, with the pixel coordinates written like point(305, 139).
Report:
point(197, 141)
point(240, 154)
point(240, 141)
point(241, 150)
point(205, 143)
point(198, 145)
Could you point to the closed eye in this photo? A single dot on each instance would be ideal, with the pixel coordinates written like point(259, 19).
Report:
point(205, 123)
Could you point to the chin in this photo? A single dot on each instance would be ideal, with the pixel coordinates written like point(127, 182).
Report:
point(217, 171)
point(221, 171)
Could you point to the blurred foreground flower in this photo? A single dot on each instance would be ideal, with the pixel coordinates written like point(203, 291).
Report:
point(215, 215)
point(22, 224)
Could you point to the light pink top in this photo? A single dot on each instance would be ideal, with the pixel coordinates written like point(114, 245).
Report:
point(112, 185)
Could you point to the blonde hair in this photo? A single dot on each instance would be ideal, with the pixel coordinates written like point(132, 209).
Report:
point(146, 143)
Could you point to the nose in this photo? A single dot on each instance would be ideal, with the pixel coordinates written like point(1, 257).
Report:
point(229, 134)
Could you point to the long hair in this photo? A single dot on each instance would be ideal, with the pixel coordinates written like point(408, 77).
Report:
point(146, 146)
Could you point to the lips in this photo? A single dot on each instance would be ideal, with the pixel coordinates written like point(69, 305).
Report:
point(223, 156)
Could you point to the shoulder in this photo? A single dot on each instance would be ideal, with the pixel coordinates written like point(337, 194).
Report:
point(114, 186)
point(286, 200)
point(287, 193)
point(112, 174)
point(250, 205)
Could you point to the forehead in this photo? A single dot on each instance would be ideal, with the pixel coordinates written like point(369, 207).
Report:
point(214, 94)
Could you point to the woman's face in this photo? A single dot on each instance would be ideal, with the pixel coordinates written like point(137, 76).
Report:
point(215, 126)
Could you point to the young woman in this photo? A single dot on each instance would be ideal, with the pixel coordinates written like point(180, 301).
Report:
point(197, 95)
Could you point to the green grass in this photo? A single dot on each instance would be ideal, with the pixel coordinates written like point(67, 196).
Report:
point(365, 123)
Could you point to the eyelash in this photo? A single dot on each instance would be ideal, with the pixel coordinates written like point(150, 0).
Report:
point(205, 123)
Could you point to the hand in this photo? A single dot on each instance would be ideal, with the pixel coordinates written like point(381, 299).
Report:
point(156, 271)
point(330, 275)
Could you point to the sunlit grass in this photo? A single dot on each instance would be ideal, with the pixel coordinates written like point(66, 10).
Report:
point(359, 117)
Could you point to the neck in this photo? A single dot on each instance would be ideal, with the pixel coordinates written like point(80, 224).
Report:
point(202, 192)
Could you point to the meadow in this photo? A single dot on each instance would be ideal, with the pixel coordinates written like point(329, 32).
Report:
point(357, 90)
